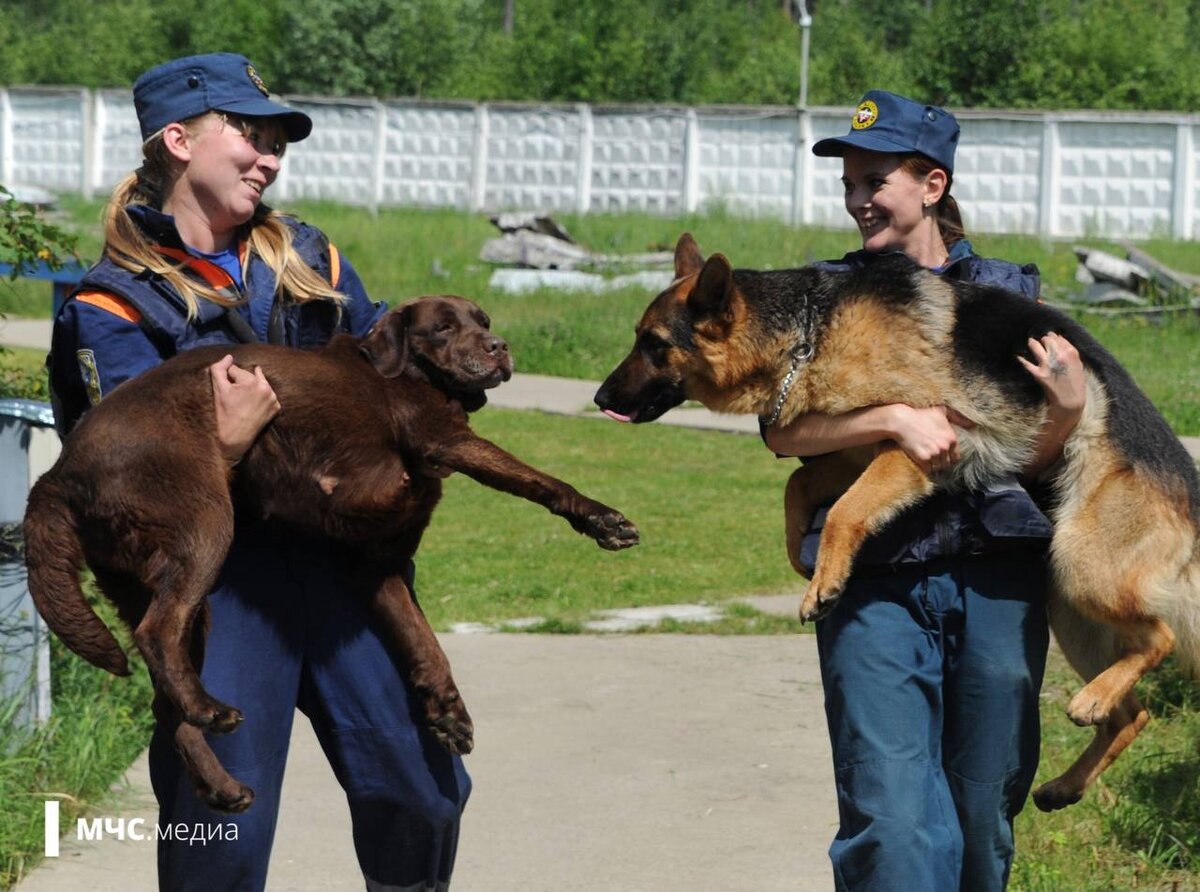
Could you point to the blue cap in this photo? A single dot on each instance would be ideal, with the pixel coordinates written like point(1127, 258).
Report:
point(885, 122)
point(183, 88)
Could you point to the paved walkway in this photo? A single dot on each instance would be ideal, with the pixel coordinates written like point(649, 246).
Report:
point(614, 763)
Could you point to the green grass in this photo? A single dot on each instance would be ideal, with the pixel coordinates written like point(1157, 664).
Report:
point(23, 373)
point(708, 505)
point(99, 725)
point(1138, 827)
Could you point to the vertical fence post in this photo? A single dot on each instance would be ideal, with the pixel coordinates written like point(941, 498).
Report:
point(28, 447)
point(7, 158)
point(1048, 205)
point(1184, 209)
point(380, 160)
point(480, 158)
point(279, 189)
point(587, 137)
point(691, 162)
point(91, 134)
point(802, 203)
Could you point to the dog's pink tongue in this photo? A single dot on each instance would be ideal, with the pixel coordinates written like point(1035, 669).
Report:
point(617, 416)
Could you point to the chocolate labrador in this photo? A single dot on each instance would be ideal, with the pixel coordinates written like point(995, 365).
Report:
point(367, 430)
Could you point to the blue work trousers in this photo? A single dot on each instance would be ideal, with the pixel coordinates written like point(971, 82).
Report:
point(931, 679)
point(288, 632)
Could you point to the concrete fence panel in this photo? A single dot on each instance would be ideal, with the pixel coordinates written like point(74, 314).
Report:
point(1064, 174)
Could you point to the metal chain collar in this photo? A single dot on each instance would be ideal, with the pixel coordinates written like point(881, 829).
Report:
point(802, 352)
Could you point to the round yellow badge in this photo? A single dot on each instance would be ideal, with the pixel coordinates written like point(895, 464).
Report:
point(864, 116)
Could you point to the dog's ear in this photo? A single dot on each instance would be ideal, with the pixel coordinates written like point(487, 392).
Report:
point(688, 258)
point(714, 289)
point(386, 345)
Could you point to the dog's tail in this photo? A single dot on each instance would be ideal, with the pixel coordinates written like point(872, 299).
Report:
point(54, 559)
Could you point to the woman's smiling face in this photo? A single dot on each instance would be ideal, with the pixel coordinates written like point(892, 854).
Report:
point(888, 203)
point(232, 163)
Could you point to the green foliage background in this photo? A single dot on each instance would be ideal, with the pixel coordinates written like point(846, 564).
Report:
point(1111, 54)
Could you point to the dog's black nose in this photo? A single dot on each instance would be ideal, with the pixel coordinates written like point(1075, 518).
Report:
point(495, 345)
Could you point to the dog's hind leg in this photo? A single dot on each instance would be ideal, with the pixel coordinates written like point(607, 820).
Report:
point(180, 575)
point(1143, 646)
point(1124, 724)
point(1119, 555)
point(408, 632)
point(213, 784)
point(891, 483)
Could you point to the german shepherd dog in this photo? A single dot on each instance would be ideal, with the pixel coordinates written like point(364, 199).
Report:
point(367, 430)
point(1125, 499)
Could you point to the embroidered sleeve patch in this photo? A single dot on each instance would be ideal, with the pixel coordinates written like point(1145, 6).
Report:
point(90, 374)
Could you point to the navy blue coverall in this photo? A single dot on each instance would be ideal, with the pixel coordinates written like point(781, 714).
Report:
point(932, 661)
point(286, 631)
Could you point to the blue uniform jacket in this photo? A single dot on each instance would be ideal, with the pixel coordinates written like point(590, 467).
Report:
point(999, 518)
point(117, 323)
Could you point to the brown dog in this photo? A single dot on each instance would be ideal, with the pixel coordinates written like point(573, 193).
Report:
point(1125, 557)
point(368, 427)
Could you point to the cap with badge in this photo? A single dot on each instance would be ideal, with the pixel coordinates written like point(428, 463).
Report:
point(183, 88)
point(887, 122)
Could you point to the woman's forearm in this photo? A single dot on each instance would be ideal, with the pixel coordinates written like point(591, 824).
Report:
point(816, 434)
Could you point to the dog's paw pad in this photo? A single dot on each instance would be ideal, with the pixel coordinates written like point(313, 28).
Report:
point(215, 716)
point(225, 720)
point(456, 734)
point(234, 800)
point(1053, 795)
point(614, 531)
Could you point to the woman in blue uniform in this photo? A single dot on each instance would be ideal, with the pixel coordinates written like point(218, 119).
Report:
point(933, 657)
point(193, 256)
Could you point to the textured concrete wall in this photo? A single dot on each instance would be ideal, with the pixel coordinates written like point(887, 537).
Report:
point(1053, 173)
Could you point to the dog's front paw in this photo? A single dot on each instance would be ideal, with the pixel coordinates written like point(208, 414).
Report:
point(611, 529)
point(819, 598)
point(449, 722)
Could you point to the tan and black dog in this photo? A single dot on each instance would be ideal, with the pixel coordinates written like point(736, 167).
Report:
point(1125, 497)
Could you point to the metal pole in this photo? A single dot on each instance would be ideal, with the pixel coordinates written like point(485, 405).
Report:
point(804, 20)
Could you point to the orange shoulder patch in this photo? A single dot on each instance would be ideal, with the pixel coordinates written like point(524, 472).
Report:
point(110, 302)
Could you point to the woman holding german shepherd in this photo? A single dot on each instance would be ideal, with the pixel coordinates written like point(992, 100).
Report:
point(932, 660)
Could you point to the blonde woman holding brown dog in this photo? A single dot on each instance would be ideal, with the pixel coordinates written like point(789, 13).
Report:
point(193, 257)
point(932, 659)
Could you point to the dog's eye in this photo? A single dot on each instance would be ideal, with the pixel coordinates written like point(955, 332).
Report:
point(444, 328)
point(653, 345)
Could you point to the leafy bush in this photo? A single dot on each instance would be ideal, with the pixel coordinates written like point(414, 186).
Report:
point(27, 238)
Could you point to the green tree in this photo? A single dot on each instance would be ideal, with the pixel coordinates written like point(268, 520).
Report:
point(375, 47)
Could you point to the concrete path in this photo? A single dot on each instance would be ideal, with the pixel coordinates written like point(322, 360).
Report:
point(649, 763)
